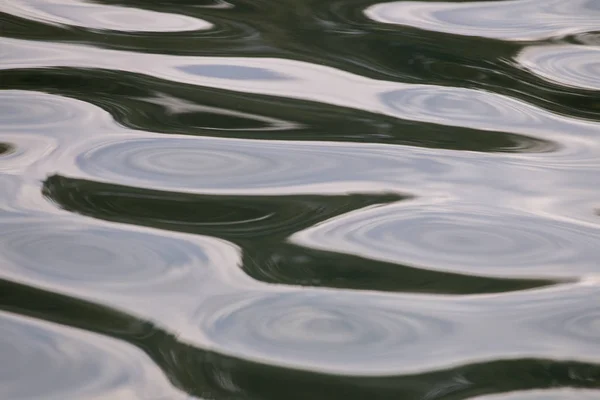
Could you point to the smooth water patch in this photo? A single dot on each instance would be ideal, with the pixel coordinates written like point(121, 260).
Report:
point(92, 15)
point(507, 19)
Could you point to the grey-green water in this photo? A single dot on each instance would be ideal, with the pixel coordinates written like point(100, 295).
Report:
point(299, 200)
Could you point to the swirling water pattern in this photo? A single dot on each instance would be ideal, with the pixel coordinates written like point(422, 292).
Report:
point(98, 16)
point(67, 364)
point(310, 199)
point(506, 19)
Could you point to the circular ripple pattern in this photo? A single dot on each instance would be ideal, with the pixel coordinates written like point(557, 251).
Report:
point(439, 104)
point(95, 256)
point(189, 163)
point(474, 109)
point(54, 363)
point(509, 20)
point(11, 186)
point(570, 65)
point(25, 150)
point(46, 113)
point(319, 332)
point(99, 16)
point(491, 242)
point(231, 165)
point(577, 325)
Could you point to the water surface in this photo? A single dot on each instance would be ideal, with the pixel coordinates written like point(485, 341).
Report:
point(300, 200)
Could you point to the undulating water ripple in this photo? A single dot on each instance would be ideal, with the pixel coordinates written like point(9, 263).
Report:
point(53, 362)
point(325, 199)
point(577, 66)
point(463, 238)
point(91, 15)
point(509, 19)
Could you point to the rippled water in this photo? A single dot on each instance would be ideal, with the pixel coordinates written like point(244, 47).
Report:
point(304, 199)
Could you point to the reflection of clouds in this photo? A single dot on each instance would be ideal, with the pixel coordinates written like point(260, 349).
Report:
point(28, 111)
point(483, 110)
point(47, 361)
point(99, 257)
point(461, 238)
point(510, 20)
point(87, 14)
point(427, 103)
point(319, 330)
point(212, 165)
point(571, 65)
point(194, 286)
point(368, 333)
point(121, 266)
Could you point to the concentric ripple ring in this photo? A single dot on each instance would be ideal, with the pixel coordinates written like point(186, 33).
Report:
point(55, 363)
point(475, 240)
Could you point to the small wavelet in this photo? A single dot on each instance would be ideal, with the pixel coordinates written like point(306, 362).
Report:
point(24, 150)
point(91, 15)
point(42, 113)
point(484, 110)
point(51, 362)
point(233, 166)
point(587, 38)
point(577, 324)
point(116, 265)
point(324, 333)
point(98, 256)
point(191, 163)
point(376, 334)
point(11, 185)
point(571, 65)
point(480, 241)
point(506, 20)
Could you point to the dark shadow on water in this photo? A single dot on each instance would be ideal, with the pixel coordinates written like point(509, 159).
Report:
point(6, 148)
point(260, 225)
point(150, 104)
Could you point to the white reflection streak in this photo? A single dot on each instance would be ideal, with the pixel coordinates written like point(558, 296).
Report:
point(311, 328)
point(461, 237)
point(570, 65)
point(52, 362)
point(509, 20)
point(103, 262)
point(87, 14)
